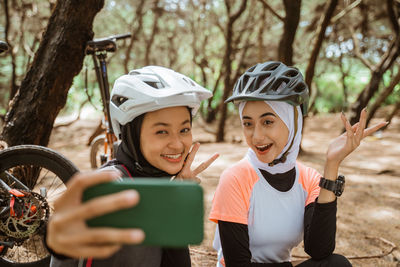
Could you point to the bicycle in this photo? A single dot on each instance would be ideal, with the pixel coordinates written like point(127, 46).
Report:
point(31, 179)
point(104, 142)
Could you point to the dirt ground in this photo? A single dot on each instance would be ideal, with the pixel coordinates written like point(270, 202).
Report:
point(368, 223)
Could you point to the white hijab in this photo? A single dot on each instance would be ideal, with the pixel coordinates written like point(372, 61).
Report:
point(285, 112)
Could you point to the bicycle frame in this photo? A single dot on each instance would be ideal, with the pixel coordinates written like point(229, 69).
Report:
point(99, 55)
point(102, 79)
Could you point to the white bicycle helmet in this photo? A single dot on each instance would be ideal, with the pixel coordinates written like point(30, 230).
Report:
point(152, 88)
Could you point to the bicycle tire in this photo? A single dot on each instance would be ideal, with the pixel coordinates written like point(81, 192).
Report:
point(95, 147)
point(42, 158)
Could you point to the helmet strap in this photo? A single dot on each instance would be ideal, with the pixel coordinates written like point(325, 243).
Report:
point(132, 149)
point(282, 159)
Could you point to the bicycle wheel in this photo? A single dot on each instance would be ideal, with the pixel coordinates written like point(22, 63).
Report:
point(44, 172)
point(96, 151)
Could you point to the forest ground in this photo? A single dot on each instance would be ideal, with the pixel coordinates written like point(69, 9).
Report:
point(368, 212)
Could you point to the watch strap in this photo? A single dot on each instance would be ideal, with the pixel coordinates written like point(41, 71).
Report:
point(327, 184)
point(336, 187)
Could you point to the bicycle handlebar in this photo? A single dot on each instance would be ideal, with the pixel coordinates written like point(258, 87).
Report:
point(112, 37)
point(104, 44)
point(121, 36)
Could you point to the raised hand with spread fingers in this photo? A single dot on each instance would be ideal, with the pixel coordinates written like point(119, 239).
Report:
point(187, 172)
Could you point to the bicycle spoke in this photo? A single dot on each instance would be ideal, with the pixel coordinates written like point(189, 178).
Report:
point(52, 183)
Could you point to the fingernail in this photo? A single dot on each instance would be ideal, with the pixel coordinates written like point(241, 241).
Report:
point(131, 195)
point(115, 174)
point(137, 235)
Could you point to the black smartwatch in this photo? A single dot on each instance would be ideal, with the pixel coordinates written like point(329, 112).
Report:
point(336, 187)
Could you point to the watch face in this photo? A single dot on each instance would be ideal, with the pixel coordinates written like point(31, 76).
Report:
point(340, 184)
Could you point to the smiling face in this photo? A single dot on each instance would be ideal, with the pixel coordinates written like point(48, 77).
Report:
point(166, 137)
point(266, 134)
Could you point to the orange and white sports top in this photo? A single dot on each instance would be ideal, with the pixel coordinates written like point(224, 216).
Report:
point(275, 219)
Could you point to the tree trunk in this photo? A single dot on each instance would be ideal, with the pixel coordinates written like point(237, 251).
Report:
point(344, 74)
point(318, 42)
point(13, 84)
point(135, 34)
point(212, 112)
point(59, 58)
point(227, 83)
point(260, 39)
point(149, 43)
point(291, 21)
point(228, 67)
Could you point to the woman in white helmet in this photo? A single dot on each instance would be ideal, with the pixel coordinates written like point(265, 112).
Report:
point(151, 113)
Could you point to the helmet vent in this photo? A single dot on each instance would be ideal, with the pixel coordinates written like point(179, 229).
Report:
point(266, 80)
point(118, 100)
point(279, 85)
point(156, 85)
point(290, 73)
point(243, 83)
point(272, 66)
point(300, 88)
point(251, 69)
point(189, 81)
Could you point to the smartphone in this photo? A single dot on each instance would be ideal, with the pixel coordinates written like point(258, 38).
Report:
point(169, 212)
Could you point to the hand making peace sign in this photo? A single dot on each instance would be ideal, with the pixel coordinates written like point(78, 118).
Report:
point(187, 173)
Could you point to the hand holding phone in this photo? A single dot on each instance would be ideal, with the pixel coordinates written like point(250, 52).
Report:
point(67, 231)
point(169, 212)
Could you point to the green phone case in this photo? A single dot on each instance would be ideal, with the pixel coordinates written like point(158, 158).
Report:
point(169, 212)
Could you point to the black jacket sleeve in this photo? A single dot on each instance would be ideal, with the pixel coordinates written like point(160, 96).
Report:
point(235, 246)
point(320, 229)
point(179, 257)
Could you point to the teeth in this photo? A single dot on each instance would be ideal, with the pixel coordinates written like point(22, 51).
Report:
point(172, 156)
point(263, 147)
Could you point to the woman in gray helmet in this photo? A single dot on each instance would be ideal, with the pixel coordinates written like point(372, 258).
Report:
point(267, 203)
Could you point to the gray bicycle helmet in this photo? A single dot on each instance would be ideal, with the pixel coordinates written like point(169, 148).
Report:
point(272, 80)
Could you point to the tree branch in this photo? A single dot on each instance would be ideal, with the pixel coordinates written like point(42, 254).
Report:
point(265, 4)
point(320, 35)
point(382, 97)
point(236, 15)
point(393, 17)
point(345, 11)
point(74, 120)
point(391, 244)
point(217, 23)
point(383, 254)
point(135, 34)
point(357, 51)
